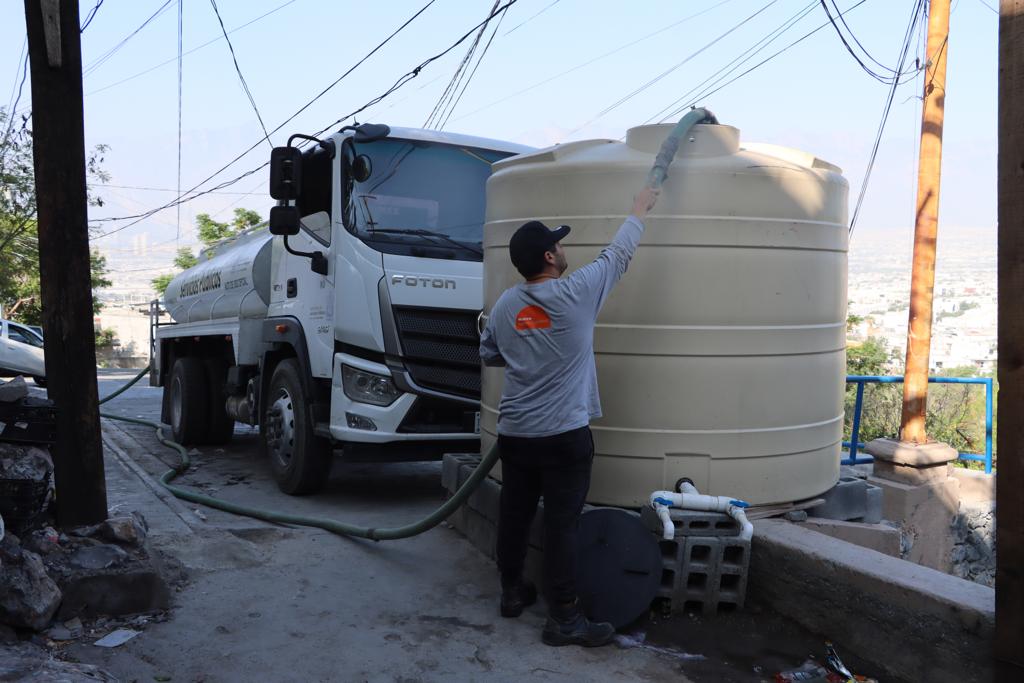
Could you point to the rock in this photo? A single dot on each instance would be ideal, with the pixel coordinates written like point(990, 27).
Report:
point(796, 515)
point(98, 557)
point(13, 390)
point(127, 529)
point(43, 541)
point(59, 633)
point(30, 664)
point(75, 627)
point(28, 596)
point(22, 461)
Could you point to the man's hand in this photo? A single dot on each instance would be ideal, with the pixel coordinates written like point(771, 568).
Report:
point(644, 201)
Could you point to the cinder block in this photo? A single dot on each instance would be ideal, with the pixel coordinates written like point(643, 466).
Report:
point(450, 472)
point(691, 522)
point(873, 505)
point(847, 500)
point(486, 499)
point(467, 463)
point(705, 573)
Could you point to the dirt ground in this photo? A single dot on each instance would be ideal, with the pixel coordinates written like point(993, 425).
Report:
point(255, 601)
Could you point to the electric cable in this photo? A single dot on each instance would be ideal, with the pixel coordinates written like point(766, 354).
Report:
point(741, 59)
point(238, 70)
point(480, 59)
point(587, 63)
point(190, 51)
point(182, 197)
point(881, 78)
point(181, 10)
point(410, 75)
point(668, 71)
point(89, 17)
point(915, 17)
point(453, 84)
point(766, 60)
point(842, 20)
point(527, 21)
point(99, 61)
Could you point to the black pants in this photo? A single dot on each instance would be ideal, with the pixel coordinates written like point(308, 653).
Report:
point(557, 467)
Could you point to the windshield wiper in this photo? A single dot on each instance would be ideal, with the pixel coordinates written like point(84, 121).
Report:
point(428, 233)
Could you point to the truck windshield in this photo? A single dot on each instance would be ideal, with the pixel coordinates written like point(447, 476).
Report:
point(422, 199)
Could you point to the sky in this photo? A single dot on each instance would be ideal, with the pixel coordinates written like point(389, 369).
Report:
point(549, 73)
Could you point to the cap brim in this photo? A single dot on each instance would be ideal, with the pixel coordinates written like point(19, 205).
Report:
point(559, 233)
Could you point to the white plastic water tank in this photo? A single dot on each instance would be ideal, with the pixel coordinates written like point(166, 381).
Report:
point(721, 354)
point(233, 283)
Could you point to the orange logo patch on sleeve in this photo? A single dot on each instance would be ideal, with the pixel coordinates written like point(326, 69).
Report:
point(532, 318)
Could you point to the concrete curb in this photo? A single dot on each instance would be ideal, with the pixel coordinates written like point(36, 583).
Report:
point(918, 623)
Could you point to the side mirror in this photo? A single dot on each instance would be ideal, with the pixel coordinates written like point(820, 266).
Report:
point(284, 220)
point(285, 173)
point(362, 168)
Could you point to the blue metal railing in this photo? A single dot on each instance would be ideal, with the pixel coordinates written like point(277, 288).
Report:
point(855, 445)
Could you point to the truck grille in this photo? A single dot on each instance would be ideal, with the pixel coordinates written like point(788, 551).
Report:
point(441, 349)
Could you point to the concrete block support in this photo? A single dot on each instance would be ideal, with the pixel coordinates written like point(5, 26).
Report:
point(915, 622)
point(851, 499)
point(704, 573)
point(879, 537)
point(924, 514)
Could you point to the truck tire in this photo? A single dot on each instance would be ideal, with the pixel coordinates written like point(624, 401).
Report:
point(189, 401)
point(300, 460)
point(221, 426)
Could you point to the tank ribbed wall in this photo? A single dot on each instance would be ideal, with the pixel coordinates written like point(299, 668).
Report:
point(721, 354)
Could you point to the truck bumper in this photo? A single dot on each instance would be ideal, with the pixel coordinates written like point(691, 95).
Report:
point(381, 424)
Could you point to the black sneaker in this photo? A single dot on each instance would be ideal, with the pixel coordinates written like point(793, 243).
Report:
point(566, 625)
point(516, 597)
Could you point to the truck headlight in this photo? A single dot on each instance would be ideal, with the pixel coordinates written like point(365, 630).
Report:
point(368, 387)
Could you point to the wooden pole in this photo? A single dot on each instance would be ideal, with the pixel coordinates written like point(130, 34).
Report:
point(55, 54)
point(919, 329)
point(1009, 642)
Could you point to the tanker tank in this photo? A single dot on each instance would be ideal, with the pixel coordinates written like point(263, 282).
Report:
point(721, 354)
point(232, 282)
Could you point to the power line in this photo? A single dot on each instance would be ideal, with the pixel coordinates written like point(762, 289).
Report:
point(668, 71)
point(472, 73)
point(110, 53)
point(152, 189)
point(238, 70)
point(527, 21)
point(190, 51)
point(894, 75)
point(990, 7)
point(708, 92)
point(181, 10)
point(908, 39)
point(453, 84)
point(738, 61)
point(187, 196)
point(587, 63)
point(90, 16)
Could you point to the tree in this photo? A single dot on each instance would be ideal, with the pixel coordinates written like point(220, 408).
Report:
point(210, 232)
point(19, 244)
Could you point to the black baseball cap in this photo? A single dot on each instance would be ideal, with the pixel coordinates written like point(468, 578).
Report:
point(530, 241)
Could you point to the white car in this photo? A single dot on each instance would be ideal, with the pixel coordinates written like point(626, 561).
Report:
point(21, 352)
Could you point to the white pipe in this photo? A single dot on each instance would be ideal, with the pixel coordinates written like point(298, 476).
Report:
point(689, 499)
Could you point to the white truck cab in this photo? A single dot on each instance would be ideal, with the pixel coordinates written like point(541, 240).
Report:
point(350, 321)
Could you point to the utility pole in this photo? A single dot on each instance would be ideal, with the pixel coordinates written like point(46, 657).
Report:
point(1009, 640)
point(55, 55)
point(919, 332)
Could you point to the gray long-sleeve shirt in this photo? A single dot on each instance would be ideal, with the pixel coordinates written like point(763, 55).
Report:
point(543, 333)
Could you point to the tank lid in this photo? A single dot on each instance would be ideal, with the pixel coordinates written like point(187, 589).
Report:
point(706, 140)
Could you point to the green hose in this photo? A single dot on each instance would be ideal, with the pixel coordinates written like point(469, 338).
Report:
point(655, 179)
point(667, 153)
point(385, 534)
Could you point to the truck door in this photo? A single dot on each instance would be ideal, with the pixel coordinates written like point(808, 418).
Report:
point(297, 290)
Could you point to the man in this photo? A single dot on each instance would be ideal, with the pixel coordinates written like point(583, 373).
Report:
point(542, 332)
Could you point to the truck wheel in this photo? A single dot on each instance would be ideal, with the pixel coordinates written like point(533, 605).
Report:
point(300, 460)
point(189, 400)
point(221, 426)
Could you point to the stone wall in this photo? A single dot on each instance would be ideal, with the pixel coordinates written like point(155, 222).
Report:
point(974, 535)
